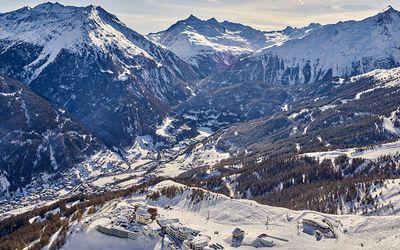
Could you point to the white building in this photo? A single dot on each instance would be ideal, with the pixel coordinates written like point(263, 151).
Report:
point(163, 222)
point(152, 230)
point(168, 243)
point(196, 243)
point(180, 231)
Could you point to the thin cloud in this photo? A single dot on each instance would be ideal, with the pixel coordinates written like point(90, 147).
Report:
point(147, 16)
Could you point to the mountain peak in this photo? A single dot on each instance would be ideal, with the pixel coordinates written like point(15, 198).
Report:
point(289, 29)
point(57, 8)
point(314, 25)
point(56, 28)
point(193, 18)
point(212, 21)
point(311, 26)
point(387, 15)
point(389, 8)
point(49, 6)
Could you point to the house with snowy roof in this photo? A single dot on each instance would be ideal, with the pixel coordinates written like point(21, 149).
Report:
point(197, 243)
point(163, 222)
point(143, 216)
point(152, 230)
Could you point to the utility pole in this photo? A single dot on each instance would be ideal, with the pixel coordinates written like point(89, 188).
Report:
point(298, 228)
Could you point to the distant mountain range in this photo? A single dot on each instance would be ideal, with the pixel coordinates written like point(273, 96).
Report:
point(260, 84)
point(340, 50)
point(210, 45)
point(78, 83)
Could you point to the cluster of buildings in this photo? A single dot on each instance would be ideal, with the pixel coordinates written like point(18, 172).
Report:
point(131, 222)
point(38, 192)
point(178, 234)
point(181, 236)
point(141, 220)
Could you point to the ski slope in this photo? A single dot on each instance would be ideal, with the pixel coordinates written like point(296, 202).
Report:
point(392, 148)
point(216, 216)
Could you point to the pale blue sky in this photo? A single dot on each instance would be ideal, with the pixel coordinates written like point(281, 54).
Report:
point(147, 16)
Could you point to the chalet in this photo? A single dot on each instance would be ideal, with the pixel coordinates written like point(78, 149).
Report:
point(238, 233)
point(237, 237)
point(143, 216)
point(153, 212)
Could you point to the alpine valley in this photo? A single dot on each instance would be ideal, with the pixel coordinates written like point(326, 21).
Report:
point(226, 127)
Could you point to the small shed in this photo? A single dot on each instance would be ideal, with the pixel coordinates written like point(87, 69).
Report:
point(237, 233)
point(237, 237)
point(153, 212)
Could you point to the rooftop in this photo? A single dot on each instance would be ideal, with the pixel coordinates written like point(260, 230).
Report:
point(165, 221)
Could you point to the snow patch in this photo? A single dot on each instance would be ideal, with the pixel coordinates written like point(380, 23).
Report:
point(163, 129)
point(4, 184)
point(392, 148)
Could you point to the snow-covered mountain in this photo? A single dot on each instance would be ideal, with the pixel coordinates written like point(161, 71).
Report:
point(207, 44)
point(37, 137)
point(112, 79)
point(337, 113)
point(92, 85)
point(261, 84)
point(351, 125)
point(342, 49)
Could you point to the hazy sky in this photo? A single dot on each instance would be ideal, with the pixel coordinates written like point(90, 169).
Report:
point(147, 16)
